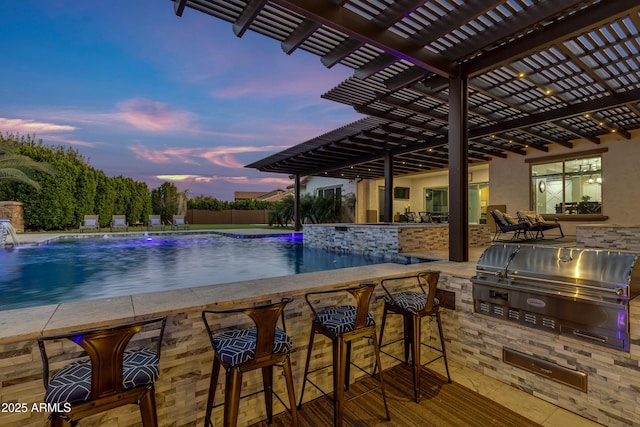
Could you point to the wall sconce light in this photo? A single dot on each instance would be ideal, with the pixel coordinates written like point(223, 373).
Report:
point(542, 186)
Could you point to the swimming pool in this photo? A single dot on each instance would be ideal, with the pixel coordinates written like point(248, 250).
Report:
point(89, 268)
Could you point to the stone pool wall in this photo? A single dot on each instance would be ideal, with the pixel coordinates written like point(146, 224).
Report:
point(386, 239)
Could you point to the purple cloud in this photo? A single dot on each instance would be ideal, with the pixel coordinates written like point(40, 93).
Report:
point(220, 156)
point(153, 116)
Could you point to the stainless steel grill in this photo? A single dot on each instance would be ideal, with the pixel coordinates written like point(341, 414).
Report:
point(583, 293)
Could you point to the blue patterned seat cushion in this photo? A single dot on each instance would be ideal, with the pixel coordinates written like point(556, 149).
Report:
point(239, 345)
point(410, 301)
point(340, 320)
point(72, 383)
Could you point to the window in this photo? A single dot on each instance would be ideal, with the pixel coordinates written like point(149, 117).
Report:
point(568, 186)
point(401, 193)
point(330, 192)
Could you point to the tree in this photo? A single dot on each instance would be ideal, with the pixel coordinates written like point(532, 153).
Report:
point(75, 190)
point(165, 201)
point(18, 168)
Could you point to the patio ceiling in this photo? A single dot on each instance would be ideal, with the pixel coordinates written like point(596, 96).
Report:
point(539, 73)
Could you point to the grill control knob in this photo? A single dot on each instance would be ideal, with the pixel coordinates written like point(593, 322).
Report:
point(620, 292)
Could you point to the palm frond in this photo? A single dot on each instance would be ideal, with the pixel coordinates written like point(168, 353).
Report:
point(16, 175)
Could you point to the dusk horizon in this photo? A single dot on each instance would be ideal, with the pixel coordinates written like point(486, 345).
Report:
point(154, 97)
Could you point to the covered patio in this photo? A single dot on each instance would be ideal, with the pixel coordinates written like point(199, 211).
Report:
point(447, 84)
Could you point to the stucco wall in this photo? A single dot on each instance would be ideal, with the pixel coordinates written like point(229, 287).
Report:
point(417, 184)
point(316, 182)
point(510, 182)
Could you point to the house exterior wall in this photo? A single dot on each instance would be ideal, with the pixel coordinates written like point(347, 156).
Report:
point(510, 181)
point(316, 182)
point(417, 184)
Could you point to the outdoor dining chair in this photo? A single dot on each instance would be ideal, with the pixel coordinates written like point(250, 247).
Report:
point(343, 324)
point(262, 345)
point(414, 304)
point(111, 376)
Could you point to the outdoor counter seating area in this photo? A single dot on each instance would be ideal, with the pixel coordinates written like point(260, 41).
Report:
point(473, 344)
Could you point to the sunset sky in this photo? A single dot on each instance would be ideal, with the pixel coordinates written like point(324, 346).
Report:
point(145, 94)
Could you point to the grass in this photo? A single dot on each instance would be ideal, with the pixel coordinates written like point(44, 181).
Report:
point(168, 228)
point(234, 226)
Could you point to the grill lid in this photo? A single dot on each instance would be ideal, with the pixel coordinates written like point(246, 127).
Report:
point(609, 270)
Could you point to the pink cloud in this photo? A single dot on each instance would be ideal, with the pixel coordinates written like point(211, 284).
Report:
point(153, 116)
point(70, 141)
point(31, 126)
point(220, 156)
point(185, 179)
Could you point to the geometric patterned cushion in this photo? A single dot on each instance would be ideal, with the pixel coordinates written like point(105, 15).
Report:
point(239, 345)
point(509, 219)
point(72, 384)
point(340, 319)
point(413, 302)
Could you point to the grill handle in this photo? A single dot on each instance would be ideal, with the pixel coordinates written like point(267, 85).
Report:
point(587, 335)
point(499, 295)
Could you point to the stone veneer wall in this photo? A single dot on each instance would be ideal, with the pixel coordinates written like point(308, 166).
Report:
point(616, 237)
point(14, 212)
point(381, 240)
point(613, 395)
point(475, 341)
point(186, 360)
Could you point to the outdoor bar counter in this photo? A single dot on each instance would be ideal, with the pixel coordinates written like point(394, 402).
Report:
point(474, 341)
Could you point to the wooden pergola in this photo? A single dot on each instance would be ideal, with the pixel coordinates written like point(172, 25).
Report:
point(446, 83)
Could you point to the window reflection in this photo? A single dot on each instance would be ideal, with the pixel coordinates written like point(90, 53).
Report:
point(572, 186)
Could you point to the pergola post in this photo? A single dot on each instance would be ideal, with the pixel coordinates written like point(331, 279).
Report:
point(388, 187)
point(297, 226)
point(458, 170)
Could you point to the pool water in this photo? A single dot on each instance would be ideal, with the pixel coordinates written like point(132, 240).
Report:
point(89, 268)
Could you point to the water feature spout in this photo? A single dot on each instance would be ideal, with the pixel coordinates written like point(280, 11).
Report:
point(6, 229)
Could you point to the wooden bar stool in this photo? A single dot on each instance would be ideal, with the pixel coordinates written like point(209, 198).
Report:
point(414, 305)
point(111, 376)
point(343, 324)
point(241, 350)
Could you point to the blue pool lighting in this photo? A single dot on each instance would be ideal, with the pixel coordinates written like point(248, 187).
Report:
point(90, 268)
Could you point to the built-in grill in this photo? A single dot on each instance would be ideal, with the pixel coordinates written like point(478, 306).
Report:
point(583, 293)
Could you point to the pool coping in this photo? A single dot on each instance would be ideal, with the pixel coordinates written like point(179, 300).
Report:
point(35, 239)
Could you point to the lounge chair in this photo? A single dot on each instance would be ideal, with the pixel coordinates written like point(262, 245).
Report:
point(538, 224)
point(155, 221)
point(179, 222)
point(505, 223)
point(119, 222)
point(425, 217)
point(411, 217)
point(90, 222)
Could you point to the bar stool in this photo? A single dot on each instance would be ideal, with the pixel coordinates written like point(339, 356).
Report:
point(343, 324)
point(414, 306)
point(241, 350)
point(111, 376)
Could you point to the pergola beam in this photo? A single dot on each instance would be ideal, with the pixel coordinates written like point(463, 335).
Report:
point(559, 113)
point(356, 26)
point(579, 22)
point(247, 16)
